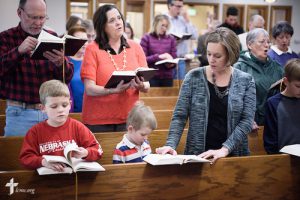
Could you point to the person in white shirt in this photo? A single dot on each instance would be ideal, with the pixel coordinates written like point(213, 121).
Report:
point(256, 21)
point(180, 24)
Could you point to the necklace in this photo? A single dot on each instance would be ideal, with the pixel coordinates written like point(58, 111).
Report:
point(113, 61)
point(220, 94)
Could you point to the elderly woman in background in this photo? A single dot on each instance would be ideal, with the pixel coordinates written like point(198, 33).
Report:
point(218, 101)
point(158, 45)
point(106, 109)
point(264, 70)
point(281, 52)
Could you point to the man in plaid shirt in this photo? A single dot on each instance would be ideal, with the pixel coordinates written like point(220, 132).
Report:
point(21, 76)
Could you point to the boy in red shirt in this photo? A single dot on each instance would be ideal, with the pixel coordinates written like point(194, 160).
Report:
point(51, 136)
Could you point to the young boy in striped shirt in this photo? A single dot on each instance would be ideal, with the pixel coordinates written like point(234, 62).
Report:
point(134, 145)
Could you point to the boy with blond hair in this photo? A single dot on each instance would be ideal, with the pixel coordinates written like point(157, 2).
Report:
point(51, 136)
point(134, 145)
point(282, 112)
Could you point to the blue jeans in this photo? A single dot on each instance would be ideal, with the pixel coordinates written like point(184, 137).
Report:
point(179, 72)
point(19, 120)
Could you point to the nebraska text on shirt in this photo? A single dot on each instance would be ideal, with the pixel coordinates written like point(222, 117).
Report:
point(54, 146)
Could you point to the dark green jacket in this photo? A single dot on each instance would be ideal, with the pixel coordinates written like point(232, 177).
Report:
point(264, 74)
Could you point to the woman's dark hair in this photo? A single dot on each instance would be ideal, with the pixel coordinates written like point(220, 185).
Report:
point(282, 27)
point(99, 20)
point(127, 25)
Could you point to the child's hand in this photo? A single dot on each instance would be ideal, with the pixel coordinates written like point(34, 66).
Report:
point(165, 150)
point(80, 153)
point(56, 166)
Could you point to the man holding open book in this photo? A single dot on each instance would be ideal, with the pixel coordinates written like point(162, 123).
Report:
point(22, 76)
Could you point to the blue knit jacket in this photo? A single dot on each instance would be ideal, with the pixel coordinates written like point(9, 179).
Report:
point(193, 106)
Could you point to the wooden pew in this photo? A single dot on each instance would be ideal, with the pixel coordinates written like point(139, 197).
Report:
point(2, 106)
point(163, 119)
point(10, 147)
point(161, 91)
point(167, 102)
point(160, 103)
point(256, 142)
point(154, 92)
point(255, 177)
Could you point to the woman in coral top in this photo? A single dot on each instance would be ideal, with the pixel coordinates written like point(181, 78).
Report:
point(106, 109)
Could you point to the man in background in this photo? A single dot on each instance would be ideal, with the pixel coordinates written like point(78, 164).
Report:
point(231, 20)
point(22, 76)
point(256, 21)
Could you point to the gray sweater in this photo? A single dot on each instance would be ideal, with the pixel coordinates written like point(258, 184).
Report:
point(193, 105)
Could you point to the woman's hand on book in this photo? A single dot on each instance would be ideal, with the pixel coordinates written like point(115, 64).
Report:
point(165, 149)
point(56, 166)
point(214, 155)
point(165, 56)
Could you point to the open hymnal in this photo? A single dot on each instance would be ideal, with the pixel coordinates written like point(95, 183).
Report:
point(73, 164)
point(174, 61)
point(293, 149)
point(127, 76)
point(48, 42)
point(181, 36)
point(168, 159)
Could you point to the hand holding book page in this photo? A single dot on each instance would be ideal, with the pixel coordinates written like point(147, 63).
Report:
point(48, 42)
point(174, 61)
point(182, 36)
point(168, 159)
point(127, 76)
point(71, 164)
point(291, 149)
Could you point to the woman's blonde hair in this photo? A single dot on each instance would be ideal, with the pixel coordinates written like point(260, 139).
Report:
point(53, 88)
point(157, 23)
point(229, 40)
point(141, 116)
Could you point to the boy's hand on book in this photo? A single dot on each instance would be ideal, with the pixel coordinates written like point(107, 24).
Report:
point(165, 149)
point(56, 57)
point(80, 153)
point(56, 166)
point(27, 45)
point(214, 155)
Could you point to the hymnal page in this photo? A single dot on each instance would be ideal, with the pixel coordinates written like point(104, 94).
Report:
point(291, 149)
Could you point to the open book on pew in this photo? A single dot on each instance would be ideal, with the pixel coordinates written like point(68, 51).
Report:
point(293, 149)
point(168, 159)
point(73, 164)
point(127, 76)
point(174, 61)
point(48, 42)
point(181, 36)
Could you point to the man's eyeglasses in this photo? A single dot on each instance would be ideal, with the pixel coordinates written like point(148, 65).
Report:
point(35, 18)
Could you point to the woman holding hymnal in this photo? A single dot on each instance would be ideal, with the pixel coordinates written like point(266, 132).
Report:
point(106, 109)
point(160, 50)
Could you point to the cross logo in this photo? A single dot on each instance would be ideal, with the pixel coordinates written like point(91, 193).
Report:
point(11, 186)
